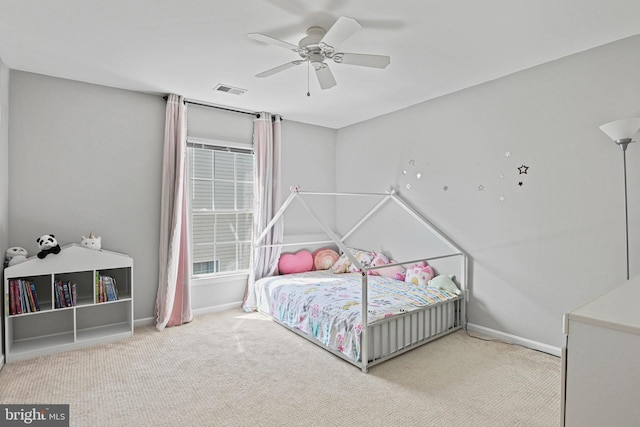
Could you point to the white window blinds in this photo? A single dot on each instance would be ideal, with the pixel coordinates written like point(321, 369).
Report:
point(221, 203)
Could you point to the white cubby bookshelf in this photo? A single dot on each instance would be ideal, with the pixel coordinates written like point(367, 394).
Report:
point(89, 321)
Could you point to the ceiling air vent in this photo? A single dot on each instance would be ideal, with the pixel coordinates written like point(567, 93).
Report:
point(229, 89)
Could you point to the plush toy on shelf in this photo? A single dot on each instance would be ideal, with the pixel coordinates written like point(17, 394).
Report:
point(48, 245)
point(92, 242)
point(14, 256)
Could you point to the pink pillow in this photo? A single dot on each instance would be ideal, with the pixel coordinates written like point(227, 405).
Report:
point(323, 259)
point(295, 263)
point(419, 274)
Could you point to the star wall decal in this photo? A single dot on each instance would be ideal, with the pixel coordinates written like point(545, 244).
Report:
point(507, 154)
point(480, 187)
point(520, 183)
point(501, 198)
point(445, 188)
point(412, 162)
point(523, 169)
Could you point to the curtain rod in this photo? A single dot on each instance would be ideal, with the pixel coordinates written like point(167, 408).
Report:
point(206, 104)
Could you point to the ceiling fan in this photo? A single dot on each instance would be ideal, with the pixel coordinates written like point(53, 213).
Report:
point(319, 45)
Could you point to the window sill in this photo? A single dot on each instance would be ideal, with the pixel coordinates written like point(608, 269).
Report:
point(219, 279)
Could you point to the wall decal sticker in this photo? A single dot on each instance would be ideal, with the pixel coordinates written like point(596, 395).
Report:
point(523, 169)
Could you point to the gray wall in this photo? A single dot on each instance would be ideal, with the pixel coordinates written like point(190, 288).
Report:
point(4, 170)
point(308, 159)
point(555, 242)
point(4, 157)
point(87, 158)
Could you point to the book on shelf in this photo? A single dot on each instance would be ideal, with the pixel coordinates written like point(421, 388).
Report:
point(63, 292)
point(106, 289)
point(35, 296)
point(67, 294)
point(23, 297)
point(12, 297)
point(29, 296)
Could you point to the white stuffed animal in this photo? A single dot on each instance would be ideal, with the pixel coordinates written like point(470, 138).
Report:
point(92, 242)
point(14, 256)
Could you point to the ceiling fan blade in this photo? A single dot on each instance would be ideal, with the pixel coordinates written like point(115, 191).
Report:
point(382, 24)
point(339, 32)
point(325, 77)
point(363, 60)
point(279, 68)
point(276, 42)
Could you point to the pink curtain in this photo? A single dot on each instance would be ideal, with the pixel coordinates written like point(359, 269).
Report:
point(266, 144)
point(173, 300)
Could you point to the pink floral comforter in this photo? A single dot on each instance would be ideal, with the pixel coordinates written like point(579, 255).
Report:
point(327, 306)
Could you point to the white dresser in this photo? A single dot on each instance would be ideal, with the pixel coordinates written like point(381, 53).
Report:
point(601, 361)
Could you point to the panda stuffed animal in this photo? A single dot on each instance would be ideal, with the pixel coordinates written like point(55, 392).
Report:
point(48, 245)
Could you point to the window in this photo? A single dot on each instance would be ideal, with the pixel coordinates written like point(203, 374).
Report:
point(221, 206)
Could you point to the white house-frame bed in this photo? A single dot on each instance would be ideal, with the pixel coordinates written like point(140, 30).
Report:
point(437, 314)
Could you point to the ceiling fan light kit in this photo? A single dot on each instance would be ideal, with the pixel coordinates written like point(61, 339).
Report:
point(319, 45)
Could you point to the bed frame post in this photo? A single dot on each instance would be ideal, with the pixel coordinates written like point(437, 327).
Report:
point(364, 339)
point(276, 217)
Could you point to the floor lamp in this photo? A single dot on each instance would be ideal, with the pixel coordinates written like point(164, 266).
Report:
point(622, 132)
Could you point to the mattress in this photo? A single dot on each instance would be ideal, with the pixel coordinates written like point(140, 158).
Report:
point(327, 306)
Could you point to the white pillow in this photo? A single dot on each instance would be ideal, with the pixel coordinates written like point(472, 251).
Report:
point(445, 283)
point(344, 265)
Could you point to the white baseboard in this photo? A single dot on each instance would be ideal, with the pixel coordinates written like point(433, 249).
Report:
point(148, 321)
point(217, 308)
point(512, 339)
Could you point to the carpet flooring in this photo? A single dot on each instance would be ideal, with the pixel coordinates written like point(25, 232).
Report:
point(241, 369)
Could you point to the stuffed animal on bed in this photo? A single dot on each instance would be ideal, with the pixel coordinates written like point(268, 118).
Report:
point(445, 283)
point(419, 274)
point(395, 272)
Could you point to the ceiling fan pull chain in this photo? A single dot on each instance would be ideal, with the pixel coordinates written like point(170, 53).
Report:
point(308, 71)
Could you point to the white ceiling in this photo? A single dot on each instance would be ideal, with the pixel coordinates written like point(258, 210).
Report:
point(189, 46)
